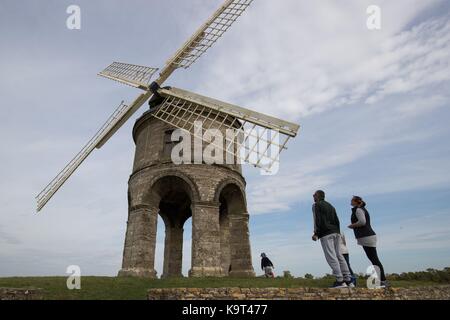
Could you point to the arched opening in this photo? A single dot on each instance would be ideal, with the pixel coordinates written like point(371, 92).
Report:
point(232, 203)
point(187, 247)
point(175, 199)
point(224, 224)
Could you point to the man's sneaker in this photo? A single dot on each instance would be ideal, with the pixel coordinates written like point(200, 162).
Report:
point(354, 281)
point(350, 284)
point(339, 284)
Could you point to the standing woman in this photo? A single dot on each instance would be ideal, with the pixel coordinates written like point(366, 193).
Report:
point(365, 235)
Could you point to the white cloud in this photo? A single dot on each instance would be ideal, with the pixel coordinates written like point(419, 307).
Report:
point(324, 158)
point(319, 56)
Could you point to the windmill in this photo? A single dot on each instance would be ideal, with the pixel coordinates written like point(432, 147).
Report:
point(181, 108)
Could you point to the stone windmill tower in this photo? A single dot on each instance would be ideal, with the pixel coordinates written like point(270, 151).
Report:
point(213, 195)
point(211, 192)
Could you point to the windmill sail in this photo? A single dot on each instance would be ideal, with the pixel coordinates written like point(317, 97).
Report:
point(129, 74)
point(261, 138)
point(209, 33)
point(140, 77)
point(45, 195)
point(202, 40)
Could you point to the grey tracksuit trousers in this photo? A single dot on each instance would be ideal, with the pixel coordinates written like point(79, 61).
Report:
point(335, 259)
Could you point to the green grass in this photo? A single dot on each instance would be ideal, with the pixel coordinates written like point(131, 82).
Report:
point(106, 288)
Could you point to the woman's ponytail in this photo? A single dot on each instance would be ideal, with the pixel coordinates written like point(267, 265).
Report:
point(360, 201)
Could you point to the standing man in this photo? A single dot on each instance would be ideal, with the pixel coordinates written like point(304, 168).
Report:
point(327, 229)
point(267, 266)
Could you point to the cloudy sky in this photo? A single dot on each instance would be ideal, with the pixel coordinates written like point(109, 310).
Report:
point(373, 105)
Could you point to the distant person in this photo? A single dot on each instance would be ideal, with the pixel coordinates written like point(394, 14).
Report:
point(365, 235)
point(345, 253)
point(267, 266)
point(327, 229)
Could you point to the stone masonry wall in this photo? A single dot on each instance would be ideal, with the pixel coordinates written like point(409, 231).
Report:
point(423, 293)
point(20, 294)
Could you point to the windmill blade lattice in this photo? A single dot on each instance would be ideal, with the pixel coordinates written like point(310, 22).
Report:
point(181, 108)
point(188, 53)
point(129, 74)
point(259, 139)
point(45, 195)
point(213, 29)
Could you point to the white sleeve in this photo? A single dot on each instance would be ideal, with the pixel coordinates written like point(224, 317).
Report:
point(361, 216)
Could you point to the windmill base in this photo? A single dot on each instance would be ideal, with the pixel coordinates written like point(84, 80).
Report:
point(138, 272)
point(211, 198)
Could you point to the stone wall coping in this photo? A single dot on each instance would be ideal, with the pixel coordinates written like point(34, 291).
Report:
point(21, 293)
point(438, 292)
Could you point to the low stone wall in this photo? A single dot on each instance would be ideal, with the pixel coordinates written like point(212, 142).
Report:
point(20, 294)
point(422, 293)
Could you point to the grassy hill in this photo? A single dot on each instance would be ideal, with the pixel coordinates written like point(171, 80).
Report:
point(104, 288)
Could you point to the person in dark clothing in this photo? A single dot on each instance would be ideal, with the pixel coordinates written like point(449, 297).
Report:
point(267, 266)
point(345, 253)
point(365, 235)
point(327, 229)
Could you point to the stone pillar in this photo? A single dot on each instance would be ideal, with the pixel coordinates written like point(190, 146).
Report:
point(205, 240)
point(241, 256)
point(173, 252)
point(140, 243)
point(225, 243)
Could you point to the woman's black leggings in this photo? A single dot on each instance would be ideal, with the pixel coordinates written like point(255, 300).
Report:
point(347, 259)
point(371, 253)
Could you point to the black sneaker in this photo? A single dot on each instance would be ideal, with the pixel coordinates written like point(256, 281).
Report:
point(352, 282)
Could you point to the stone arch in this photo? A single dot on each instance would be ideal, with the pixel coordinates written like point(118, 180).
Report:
point(187, 179)
point(175, 195)
point(235, 255)
point(193, 190)
point(229, 181)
